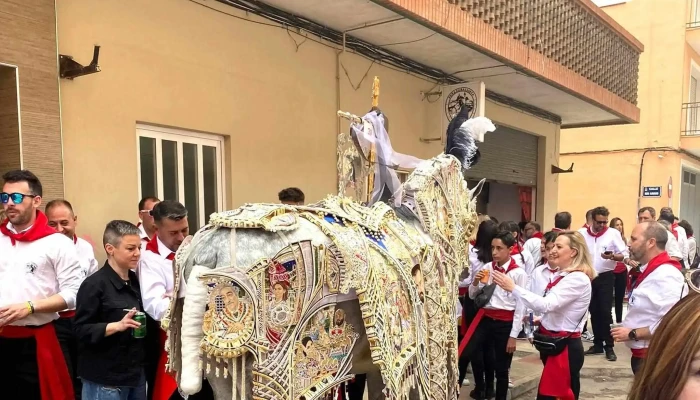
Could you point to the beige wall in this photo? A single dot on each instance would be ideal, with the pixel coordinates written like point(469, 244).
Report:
point(608, 158)
point(177, 64)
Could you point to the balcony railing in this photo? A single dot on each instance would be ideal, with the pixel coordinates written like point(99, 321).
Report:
point(694, 20)
point(570, 33)
point(689, 114)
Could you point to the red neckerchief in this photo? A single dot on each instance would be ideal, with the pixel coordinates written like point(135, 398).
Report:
point(674, 228)
point(655, 263)
point(586, 226)
point(39, 230)
point(152, 246)
point(537, 235)
point(511, 267)
point(75, 239)
point(472, 242)
point(553, 283)
point(596, 235)
point(558, 230)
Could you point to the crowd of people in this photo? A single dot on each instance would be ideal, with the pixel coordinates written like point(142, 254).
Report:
point(543, 286)
point(71, 330)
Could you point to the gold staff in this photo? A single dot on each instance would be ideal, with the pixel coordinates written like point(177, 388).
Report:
point(372, 156)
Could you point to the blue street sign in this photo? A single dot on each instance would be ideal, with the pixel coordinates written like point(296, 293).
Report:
point(651, 191)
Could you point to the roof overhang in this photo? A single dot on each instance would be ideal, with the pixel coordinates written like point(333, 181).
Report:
point(442, 36)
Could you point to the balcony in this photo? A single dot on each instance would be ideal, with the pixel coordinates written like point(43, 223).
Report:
point(563, 60)
point(694, 18)
point(690, 132)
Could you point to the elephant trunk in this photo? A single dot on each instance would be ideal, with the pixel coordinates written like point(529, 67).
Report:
point(193, 318)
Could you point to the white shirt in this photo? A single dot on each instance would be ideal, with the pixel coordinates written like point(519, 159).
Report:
point(611, 240)
point(38, 270)
point(682, 241)
point(475, 265)
point(672, 247)
point(156, 278)
point(525, 262)
point(86, 256)
point(652, 299)
point(540, 279)
point(533, 247)
point(502, 300)
point(565, 307)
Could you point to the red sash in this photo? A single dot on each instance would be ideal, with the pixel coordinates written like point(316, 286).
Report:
point(556, 376)
point(54, 380)
point(165, 384)
point(67, 314)
point(500, 315)
point(640, 353)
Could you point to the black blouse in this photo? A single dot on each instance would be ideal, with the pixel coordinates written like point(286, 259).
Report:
point(115, 360)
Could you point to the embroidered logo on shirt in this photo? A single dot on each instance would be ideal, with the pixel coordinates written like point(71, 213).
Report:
point(31, 267)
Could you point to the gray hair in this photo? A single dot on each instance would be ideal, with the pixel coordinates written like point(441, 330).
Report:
point(169, 209)
point(116, 230)
point(656, 231)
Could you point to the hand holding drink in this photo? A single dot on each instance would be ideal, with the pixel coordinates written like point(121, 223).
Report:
point(481, 277)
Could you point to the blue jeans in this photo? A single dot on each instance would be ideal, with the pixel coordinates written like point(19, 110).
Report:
point(96, 391)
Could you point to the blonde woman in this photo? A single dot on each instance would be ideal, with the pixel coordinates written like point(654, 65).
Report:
point(672, 368)
point(564, 307)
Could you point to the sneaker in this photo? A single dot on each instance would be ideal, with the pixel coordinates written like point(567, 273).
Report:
point(510, 383)
point(610, 354)
point(593, 350)
point(466, 382)
point(587, 336)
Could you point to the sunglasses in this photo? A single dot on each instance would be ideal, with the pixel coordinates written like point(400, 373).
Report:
point(692, 277)
point(16, 198)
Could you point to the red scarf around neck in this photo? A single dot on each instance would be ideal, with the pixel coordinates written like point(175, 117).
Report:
point(596, 235)
point(152, 246)
point(674, 230)
point(39, 230)
point(655, 263)
point(537, 235)
point(516, 249)
point(513, 265)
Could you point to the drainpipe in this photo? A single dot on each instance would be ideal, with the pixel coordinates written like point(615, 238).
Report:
point(641, 166)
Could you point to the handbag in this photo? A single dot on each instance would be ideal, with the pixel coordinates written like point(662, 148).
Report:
point(484, 296)
point(552, 346)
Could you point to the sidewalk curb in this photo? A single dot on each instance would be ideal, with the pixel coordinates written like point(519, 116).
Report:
point(523, 385)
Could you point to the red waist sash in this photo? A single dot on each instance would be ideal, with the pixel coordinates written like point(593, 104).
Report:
point(640, 353)
point(499, 315)
point(556, 375)
point(165, 384)
point(54, 380)
point(67, 314)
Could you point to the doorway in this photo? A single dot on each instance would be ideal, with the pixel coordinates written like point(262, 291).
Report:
point(11, 150)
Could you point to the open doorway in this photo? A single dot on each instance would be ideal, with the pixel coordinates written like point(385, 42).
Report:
point(10, 133)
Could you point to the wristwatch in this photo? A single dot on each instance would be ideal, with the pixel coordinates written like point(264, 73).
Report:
point(633, 335)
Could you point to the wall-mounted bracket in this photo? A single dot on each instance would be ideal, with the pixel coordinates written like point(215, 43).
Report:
point(70, 69)
point(557, 170)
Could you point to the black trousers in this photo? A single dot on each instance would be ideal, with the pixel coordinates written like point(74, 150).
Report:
point(620, 289)
point(601, 309)
point(489, 357)
point(19, 372)
point(636, 364)
point(575, 365)
point(69, 345)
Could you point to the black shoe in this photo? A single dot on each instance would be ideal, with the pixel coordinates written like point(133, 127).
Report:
point(610, 354)
point(594, 350)
point(490, 393)
point(477, 395)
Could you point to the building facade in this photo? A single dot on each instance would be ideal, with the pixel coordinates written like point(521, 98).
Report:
point(219, 103)
point(656, 162)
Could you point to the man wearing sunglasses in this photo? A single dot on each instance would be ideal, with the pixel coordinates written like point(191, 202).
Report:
point(606, 248)
point(147, 225)
point(659, 287)
point(39, 276)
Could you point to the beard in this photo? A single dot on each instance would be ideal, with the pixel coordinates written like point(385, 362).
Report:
point(19, 218)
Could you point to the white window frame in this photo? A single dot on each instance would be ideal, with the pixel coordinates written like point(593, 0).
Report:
point(184, 136)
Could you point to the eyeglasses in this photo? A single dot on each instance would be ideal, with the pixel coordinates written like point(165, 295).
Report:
point(146, 212)
point(601, 222)
point(16, 198)
point(692, 277)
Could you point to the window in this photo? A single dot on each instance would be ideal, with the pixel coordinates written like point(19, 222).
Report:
point(689, 177)
point(183, 166)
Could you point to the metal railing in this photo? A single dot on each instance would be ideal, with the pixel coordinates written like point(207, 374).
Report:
point(690, 115)
point(694, 18)
point(568, 33)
